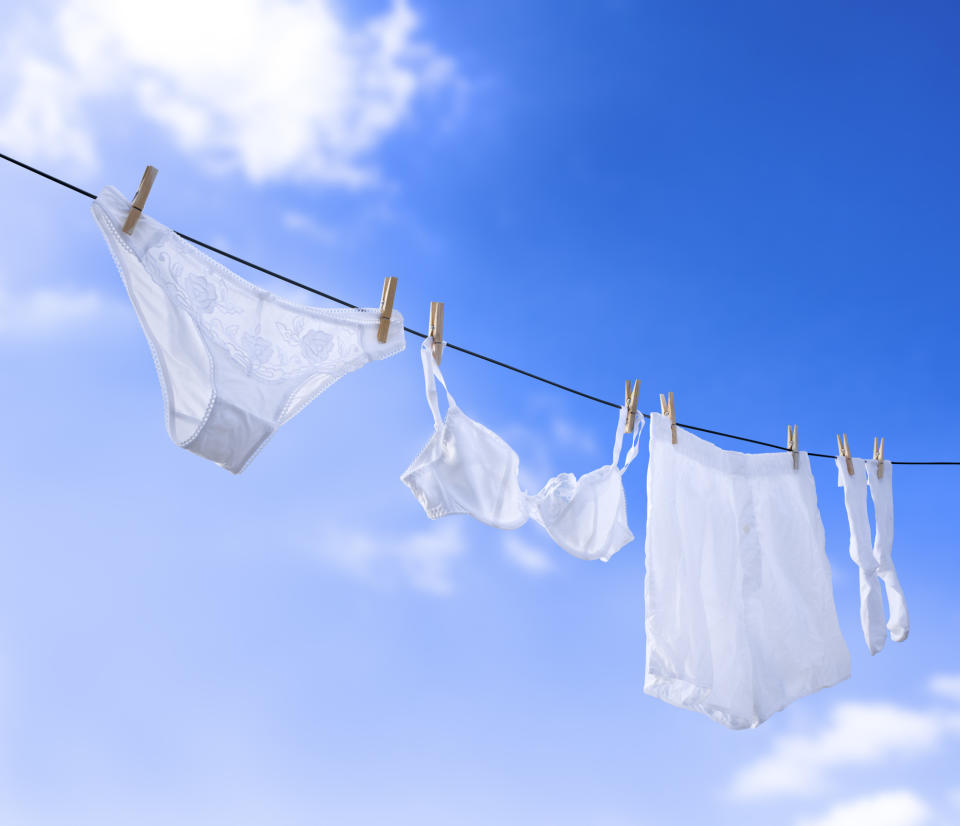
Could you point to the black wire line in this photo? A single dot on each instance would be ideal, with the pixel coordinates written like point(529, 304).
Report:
point(48, 176)
point(448, 345)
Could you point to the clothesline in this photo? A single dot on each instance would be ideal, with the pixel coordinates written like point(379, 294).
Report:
point(447, 344)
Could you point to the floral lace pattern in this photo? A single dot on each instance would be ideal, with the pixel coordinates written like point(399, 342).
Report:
point(288, 345)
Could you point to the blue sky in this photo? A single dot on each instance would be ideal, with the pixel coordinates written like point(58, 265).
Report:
point(753, 206)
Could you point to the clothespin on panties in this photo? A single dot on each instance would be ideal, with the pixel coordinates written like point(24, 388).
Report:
point(140, 199)
point(844, 448)
point(386, 307)
point(793, 445)
point(436, 329)
point(667, 408)
point(630, 399)
point(878, 455)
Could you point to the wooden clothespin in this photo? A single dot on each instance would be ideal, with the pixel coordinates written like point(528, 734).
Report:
point(630, 399)
point(793, 445)
point(667, 408)
point(386, 307)
point(878, 455)
point(844, 448)
point(140, 199)
point(436, 329)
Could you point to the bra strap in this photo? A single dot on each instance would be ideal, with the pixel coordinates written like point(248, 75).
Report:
point(634, 445)
point(431, 372)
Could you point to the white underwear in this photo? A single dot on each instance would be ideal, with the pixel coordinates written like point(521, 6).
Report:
point(235, 362)
point(467, 468)
point(740, 617)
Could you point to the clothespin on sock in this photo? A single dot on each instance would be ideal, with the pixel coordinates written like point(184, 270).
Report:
point(630, 399)
point(436, 329)
point(844, 448)
point(667, 408)
point(878, 455)
point(386, 307)
point(140, 199)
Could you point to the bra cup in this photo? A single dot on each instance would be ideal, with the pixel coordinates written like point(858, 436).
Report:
point(426, 479)
point(467, 468)
point(585, 517)
point(483, 472)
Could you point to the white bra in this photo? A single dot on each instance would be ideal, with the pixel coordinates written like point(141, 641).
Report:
point(466, 468)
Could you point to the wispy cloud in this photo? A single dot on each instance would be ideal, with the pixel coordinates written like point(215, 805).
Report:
point(892, 808)
point(305, 225)
point(526, 556)
point(49, 311)
point(953, 797)
point(423, 560)
point(570, 434)
point(856, 734)
point(540, 447)
point(946, 686)
point(275, 88)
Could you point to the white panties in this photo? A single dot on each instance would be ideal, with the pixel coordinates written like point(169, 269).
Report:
point(235, 361)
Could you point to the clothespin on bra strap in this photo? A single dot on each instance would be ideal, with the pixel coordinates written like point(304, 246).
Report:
point(844, 448)
point(878, 455)
point(630, 399)
point(793, 445)
point(386, 307)
point(140, 199)
point(667, 408)
point(436, 329)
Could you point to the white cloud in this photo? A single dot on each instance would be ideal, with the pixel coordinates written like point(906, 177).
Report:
point(856, 734)
point(423, 560)
point(275, 88)
point(525, 556)
point(42, 119)
point(894, 808)
point(538, 446)
point(570, 434)
point(305, 225)
point(45, 312)
point(946, 686)
point(953, 797)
